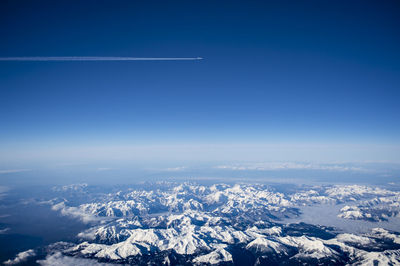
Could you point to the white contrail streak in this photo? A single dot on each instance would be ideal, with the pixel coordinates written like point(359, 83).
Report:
point(97, 58)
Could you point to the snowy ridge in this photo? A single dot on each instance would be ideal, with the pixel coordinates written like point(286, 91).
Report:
point(195, 224)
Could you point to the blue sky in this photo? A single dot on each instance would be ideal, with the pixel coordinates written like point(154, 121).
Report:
point(308, 74)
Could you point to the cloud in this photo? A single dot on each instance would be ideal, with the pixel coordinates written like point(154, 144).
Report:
point(21, 257)
point(74, 212)
point(58, 259)
point(176, 169)
point(276, 166)
point(3, 190)
point(96, 58)
point(10, 171)
point(101, 169)
point(3, 231)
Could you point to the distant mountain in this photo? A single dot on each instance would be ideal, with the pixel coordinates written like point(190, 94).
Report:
point(241, 224)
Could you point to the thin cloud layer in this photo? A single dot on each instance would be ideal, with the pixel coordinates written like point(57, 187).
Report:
point(276, 166)
point(10, 171)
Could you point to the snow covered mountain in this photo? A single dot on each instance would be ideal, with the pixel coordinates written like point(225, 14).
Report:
point(222, 224)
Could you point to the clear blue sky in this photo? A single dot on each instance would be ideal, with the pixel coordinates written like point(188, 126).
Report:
point(287, 72)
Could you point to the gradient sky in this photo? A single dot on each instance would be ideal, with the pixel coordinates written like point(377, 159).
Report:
point(290, 73)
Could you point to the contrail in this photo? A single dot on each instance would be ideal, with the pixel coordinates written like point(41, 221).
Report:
point(97, 58)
